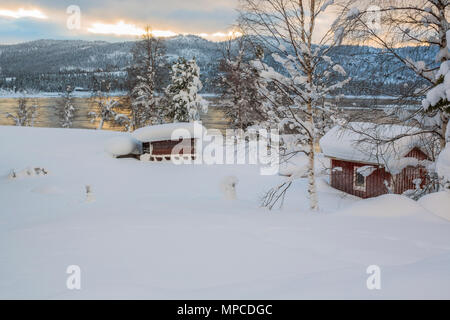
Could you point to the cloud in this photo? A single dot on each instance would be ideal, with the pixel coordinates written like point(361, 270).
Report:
point(126, 19)
point(22, 13)
point(121, 28)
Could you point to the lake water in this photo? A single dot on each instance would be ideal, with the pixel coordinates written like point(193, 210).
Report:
point(214, 118)
point(48, 114)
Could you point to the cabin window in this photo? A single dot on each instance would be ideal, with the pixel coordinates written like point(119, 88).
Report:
point(359, 181)
point(146, 148)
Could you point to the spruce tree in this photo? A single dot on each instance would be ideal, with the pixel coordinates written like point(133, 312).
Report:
point(183, 101)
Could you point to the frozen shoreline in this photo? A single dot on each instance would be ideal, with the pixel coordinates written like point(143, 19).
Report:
point(77, 94)
point(87, 94)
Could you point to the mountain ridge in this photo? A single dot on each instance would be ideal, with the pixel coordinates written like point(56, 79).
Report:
point(49, 65)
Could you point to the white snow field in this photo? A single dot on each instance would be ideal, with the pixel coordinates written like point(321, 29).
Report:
point(161, 231)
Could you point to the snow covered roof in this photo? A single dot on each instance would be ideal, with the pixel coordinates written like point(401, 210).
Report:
point(163, 132)
point(355, 143)
point(122, 146)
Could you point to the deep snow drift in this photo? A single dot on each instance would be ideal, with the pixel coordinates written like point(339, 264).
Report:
point(156, 230)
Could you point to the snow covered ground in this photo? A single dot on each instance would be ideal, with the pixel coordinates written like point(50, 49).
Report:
point(156, 230)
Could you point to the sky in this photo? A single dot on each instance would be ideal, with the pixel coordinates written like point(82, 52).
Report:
point(113, 20)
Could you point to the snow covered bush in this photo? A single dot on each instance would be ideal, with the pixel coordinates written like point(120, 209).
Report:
point(89, 194)
point(122, 146)
point(25, 114)
point(107, 110)
point(228, 187)
point(184, 104)
point(27, 172)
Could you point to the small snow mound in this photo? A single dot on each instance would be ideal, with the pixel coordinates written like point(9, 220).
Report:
point(122, 146)
point(388, 205)
point(437, 203)
point(228, 187)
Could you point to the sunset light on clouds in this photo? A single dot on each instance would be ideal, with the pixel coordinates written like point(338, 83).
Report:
point(114, 20)
point(126, 29)
point(22, 13)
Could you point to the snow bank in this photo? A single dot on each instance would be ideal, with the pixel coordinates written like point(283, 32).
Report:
point(437, 203)
point(229, 249)
point(48, 189)
point(165, 131)
point(389, 205)
point(122, 146)
point(443, 164)
point(349, 143)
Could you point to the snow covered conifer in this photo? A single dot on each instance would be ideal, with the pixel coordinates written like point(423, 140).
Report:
point(184, 104)
point(67, 108)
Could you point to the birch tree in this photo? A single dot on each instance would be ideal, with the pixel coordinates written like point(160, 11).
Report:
point(66, 108)
point(287, 28)
point(148, 58)
point(240, 82)
point(184, 103)
point(392, 24)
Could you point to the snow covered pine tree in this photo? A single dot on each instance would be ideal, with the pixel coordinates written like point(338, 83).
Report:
point(66, 108)
point(183, 101)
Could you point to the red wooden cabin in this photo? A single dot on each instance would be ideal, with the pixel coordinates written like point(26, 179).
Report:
point(369, 170)
point(168, 141)
point(165, 149)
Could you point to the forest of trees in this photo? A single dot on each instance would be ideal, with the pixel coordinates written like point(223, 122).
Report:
point(80, 64)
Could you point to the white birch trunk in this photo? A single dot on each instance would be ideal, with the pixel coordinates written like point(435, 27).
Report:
point(312, 190)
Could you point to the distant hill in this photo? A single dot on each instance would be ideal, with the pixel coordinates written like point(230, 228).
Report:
point(49, 65)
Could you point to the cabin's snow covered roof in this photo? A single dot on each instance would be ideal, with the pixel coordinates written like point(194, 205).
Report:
point(163, 132)
point(122, 146)
point(355, 143)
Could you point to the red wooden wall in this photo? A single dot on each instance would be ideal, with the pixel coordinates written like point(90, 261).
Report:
point(375, 183)
point(165, 147)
